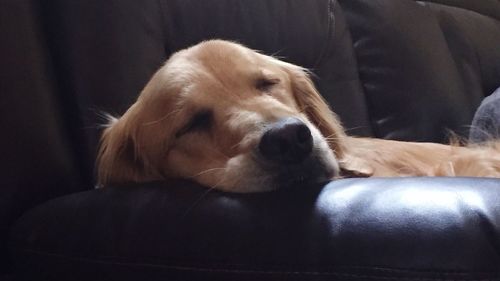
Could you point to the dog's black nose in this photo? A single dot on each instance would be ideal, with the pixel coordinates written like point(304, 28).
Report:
point(287, 141)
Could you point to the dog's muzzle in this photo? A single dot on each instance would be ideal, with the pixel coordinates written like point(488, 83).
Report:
point(288, 141)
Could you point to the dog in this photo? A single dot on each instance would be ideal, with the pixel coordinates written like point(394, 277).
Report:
point(234, 119)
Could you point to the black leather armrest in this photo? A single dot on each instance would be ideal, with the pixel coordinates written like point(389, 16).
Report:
point(355, 229)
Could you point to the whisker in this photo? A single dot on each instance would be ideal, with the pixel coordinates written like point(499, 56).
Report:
point(276, 56)
point(197, 202)
point(211, 188)
point(220, 153)
point(217, 184)
point(161, 119)
point(353, 128)
point(206, 171)
point(332, 137)
point(232, 147)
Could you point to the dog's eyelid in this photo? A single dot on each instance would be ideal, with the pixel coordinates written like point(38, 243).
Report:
point(265, 83)
point(200, 121)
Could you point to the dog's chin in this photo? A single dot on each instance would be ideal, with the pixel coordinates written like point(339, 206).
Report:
point(312, 171)
point(298, 177)
point(259, 176)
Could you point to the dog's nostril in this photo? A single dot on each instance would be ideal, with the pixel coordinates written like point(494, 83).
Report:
point(304, 134)
point(286, 141)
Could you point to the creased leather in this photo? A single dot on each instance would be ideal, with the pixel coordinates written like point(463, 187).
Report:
point(416, 228)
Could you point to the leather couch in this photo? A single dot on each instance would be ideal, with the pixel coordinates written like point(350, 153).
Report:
point(396, 69)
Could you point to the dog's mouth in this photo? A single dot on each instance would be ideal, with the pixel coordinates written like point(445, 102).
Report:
point(292, 153)
point(309, 172)
point(317, 168)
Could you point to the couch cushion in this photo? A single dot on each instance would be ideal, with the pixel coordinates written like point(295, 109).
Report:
point(424, 67)
point(489, 8)
point(355, 229)
point(105, 52)
point(37, 157)
point(472, 39)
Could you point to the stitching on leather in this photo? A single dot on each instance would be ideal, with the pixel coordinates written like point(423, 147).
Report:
point(297, 273)
point(316, 273)
point(459, 7)
point(163, 27)
point(330, 31)
point(372, 126)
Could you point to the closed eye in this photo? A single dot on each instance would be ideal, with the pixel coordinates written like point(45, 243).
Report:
point(265, 84)
point(202, 120)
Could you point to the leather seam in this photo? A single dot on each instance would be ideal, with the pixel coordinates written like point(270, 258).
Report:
point(374, 128)
point(459, 7)
point(163, 26)
point(329, 36)
point(466, 276)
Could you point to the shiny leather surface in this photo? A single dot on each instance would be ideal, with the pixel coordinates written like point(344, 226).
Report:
point(407, 228)
point(397, 69)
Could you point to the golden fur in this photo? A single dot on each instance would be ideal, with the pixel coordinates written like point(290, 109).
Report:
point(242, 91)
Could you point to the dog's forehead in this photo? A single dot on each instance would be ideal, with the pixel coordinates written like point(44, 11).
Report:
point(226, 59)
point(221, 75)
point(216, 63)
point(229, 62)
point(223, 52)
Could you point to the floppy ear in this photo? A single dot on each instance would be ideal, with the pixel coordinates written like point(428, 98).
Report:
point(319, 113)
point(118, 159)
point(317, 110)
point(355, 167)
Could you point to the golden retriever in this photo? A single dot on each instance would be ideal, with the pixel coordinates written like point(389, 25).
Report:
point(234, 119)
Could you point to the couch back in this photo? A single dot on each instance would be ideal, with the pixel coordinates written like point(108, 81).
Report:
point(392, 69)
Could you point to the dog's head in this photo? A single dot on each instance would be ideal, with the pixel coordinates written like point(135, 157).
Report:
point(227, 117)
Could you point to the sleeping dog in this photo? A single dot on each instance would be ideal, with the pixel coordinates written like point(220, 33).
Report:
point(231, 118)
